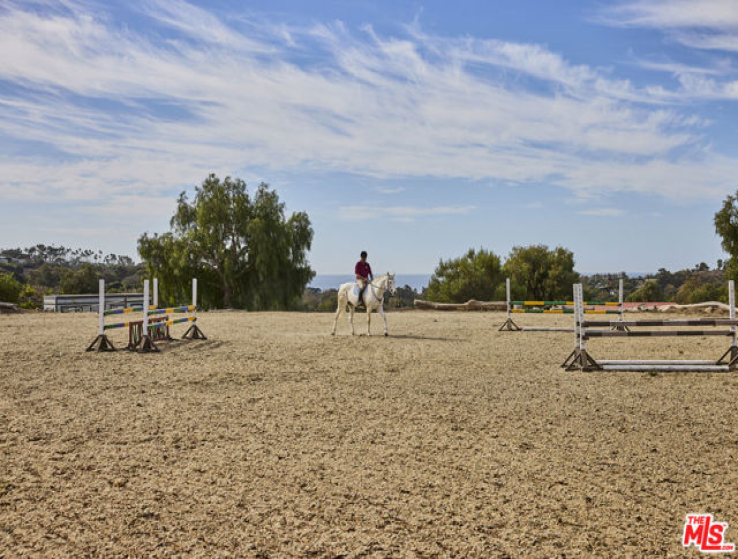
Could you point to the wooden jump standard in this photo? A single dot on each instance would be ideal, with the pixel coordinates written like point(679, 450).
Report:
point(511, 326)
point(580, 359)
point(143, 333)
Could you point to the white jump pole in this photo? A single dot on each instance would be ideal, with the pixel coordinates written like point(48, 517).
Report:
point(147, 344)
point(194, 297)
point(193, 332)
point(579, 311)
point(507, 291)
point(101, 342)
point(156, 293)
point(731, 303)
point(620, 300)
point(146, 309)
point(577, 322)
point(101, 308)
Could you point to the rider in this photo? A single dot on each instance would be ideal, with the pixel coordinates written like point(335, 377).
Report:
point(363, 273)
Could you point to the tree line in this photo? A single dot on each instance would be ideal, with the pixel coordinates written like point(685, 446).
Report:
point(247, 253)
point(243, 248)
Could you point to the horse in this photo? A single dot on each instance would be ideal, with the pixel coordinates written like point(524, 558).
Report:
point(348, 298)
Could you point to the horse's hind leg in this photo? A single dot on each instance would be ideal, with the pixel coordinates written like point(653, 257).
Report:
point(351, 320)
point(335, 319)
point(368, 322)
point(341, 307)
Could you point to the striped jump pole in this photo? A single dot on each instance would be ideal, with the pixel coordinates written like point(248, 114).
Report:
point(654, 333)
point(668, 322)
point(101, 342)
point(675, 367)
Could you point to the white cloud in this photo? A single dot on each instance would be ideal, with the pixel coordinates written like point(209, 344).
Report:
point(390, 108)
point(677, 68)
point(390, 189)
point(705, 24)
point(718, 14)
point(603, 212)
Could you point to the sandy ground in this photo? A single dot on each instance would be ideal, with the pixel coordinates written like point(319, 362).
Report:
point(274, 439)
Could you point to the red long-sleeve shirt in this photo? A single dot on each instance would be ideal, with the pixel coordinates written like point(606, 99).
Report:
point(363, 269)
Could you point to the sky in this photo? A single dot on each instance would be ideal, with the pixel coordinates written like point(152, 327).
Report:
point(413, 130)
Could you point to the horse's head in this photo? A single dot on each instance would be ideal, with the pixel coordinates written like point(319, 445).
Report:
point(391, 287)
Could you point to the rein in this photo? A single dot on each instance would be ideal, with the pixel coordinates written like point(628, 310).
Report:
point(372, 284)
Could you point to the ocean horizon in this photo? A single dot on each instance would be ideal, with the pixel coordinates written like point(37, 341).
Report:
point(332, 281)
point(417, 281)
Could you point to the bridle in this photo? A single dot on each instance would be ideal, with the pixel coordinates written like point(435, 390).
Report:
point(372, 284)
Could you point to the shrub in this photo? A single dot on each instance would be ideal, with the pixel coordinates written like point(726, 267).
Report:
point(10, 289)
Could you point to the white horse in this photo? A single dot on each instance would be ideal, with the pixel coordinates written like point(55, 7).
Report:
point(373, 297)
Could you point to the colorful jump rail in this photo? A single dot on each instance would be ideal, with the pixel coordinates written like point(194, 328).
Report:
point(143, 333)
point(560, 311)
point(510, 325)
point(581, 359)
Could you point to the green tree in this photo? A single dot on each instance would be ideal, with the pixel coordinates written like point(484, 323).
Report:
point(649, 292)
point(10, 289)
point(45, 276)
point(83, 280)
point(476, 275)
point(726, 226)
point(244, 252)
point(539, 273)
point(694, 290)
point(30, 298)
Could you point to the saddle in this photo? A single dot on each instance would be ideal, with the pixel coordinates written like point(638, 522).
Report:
point(360, 296)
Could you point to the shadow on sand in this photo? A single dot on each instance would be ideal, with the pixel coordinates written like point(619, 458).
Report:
point(417, 337)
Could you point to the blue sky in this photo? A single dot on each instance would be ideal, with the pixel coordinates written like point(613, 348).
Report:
point(413, 130)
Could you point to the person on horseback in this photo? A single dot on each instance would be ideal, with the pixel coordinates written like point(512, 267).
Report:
point(364, 274)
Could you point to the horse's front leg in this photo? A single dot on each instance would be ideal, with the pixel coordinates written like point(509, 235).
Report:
point(335, 320)
point(380, 310)
point(368, 321)
point(351, 320)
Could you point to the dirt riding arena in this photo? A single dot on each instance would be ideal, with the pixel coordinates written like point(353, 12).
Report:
point(273, 438)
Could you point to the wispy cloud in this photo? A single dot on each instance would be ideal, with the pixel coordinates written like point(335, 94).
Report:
point(603, 212)
point(705, 25)
point(677, 68)
point(400, 213)
point(118, 112)
point(535, 205)
point(390, 189)
point(674, 14)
